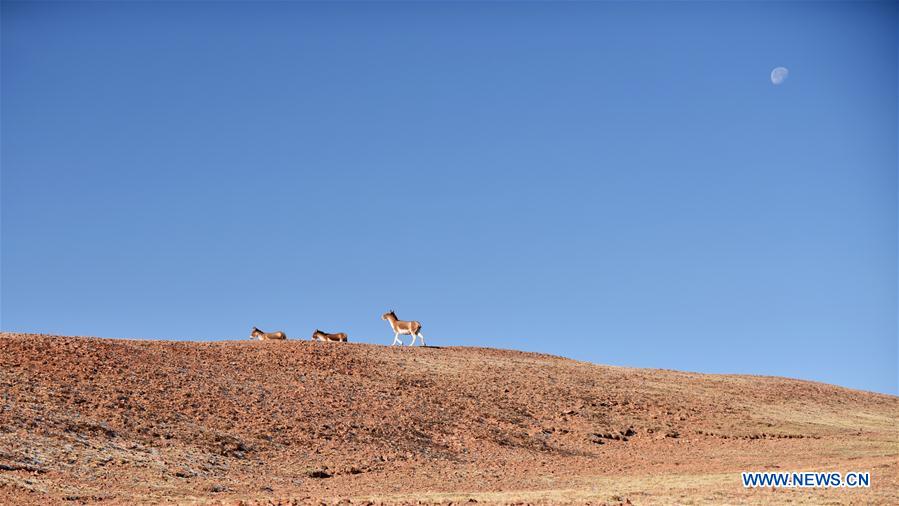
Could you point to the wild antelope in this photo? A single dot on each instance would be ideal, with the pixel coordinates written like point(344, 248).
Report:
point(402, 327)
point(265, 336)
point(339, 337)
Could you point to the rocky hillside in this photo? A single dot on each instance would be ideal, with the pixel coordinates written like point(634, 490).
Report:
point(123, 422)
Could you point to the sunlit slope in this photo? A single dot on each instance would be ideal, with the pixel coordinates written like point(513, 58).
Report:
point(125, 421)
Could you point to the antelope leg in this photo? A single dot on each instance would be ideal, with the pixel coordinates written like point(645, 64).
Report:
point(422, 337)
point(413, 340)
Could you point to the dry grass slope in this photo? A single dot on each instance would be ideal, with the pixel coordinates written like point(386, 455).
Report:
point(124, 422)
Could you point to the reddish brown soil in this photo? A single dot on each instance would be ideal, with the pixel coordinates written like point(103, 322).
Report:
point(124, 422)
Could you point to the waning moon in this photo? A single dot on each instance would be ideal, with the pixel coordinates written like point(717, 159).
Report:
point(779, 75)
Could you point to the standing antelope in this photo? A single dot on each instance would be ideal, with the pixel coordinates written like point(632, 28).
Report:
point(265, 336)
point(403, 327)
point(339, 337)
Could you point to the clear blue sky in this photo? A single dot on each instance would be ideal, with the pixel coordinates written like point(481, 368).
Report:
point(617, 182)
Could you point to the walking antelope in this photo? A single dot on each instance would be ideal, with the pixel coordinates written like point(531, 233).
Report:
point(339, 337)
point(265, 336)
point(402, 327)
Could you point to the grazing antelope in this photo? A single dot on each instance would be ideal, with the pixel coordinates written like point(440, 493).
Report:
point(265, 336)
point(403, 327)
point(339, 337)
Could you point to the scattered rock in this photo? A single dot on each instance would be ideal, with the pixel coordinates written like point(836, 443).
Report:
point(318, 473)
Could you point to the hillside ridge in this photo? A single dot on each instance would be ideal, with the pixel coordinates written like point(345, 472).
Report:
point(125, 421)
point(241, 341)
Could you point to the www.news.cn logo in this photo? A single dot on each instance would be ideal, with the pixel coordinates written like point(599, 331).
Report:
point(806, 480)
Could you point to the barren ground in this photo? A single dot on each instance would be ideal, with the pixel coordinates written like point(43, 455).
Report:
point(124, 422)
